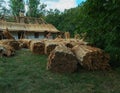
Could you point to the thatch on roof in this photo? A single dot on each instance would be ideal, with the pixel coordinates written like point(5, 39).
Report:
point(28, 27)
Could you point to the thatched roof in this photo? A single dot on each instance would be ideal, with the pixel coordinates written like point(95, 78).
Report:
point(12, 26)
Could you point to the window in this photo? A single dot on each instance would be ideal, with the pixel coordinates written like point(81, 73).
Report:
point(36, 35)
point(20, 35)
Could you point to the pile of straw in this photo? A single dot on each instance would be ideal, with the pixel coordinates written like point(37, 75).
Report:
point(25, 43)
point(37, 47)
point(91, 58)
point(49, 46)
point(6, 50)
point(61, 59)
point(11, 42)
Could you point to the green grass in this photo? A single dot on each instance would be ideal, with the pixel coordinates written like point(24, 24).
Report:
point(26, 73)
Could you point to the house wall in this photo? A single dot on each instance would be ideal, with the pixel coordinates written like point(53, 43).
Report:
point(30, 35)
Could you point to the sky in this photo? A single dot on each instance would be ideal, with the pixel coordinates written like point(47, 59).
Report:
point(58, 4)
point(61, 4)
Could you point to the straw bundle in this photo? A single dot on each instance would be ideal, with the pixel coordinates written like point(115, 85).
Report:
point(67, 43)
point(37, 47)
point(61, 59)
point(49, 46)
point(11, 42)
point(77, 36)
point(91, 58)
point(24, 43)
point(67, 35)
point(70, 43)
point(6, 50)
point(75, 42)
point(58, 40)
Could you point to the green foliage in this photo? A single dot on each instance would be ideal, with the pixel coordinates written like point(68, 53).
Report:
point(99, 19)
point(26, 73)
point(16, 6)
point(63, 21)
point(105, 31)
point(36, 9)
point(53, 17)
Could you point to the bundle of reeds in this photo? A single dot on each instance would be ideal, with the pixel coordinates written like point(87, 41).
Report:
point(67, 43)
point(6, 50)
point(11, 42)
point(67, 35)
point(49, 46)
point(61, 59)
point(25, 43)
point(75, 42)
point(76, 36)
point(70, 43)
point(37, 47)
point(91, 58)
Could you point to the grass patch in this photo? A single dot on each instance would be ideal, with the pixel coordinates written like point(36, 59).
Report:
point(26, 73)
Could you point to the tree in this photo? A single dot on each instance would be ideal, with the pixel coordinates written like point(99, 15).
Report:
point(53, 17)
point(3, 10)
point(16, 6)
point(64, 21)
point(105, 26)
point(35, 8)
point(99, 19)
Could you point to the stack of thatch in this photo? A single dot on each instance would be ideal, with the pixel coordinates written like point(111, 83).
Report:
point(24, 43)
point(7, 34)
point(37, 47)
point(58, 40)
point(11, 42)
point(75, 42)
point(70, 43)
point(77, 36)
point(91, 58)
point(49, 46)
point(67, 35)
point(6, 50)
point(61, 59)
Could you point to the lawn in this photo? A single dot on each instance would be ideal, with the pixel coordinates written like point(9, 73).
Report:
point(26, 73)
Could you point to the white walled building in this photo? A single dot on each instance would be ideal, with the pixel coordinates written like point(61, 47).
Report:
point(28, 30)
